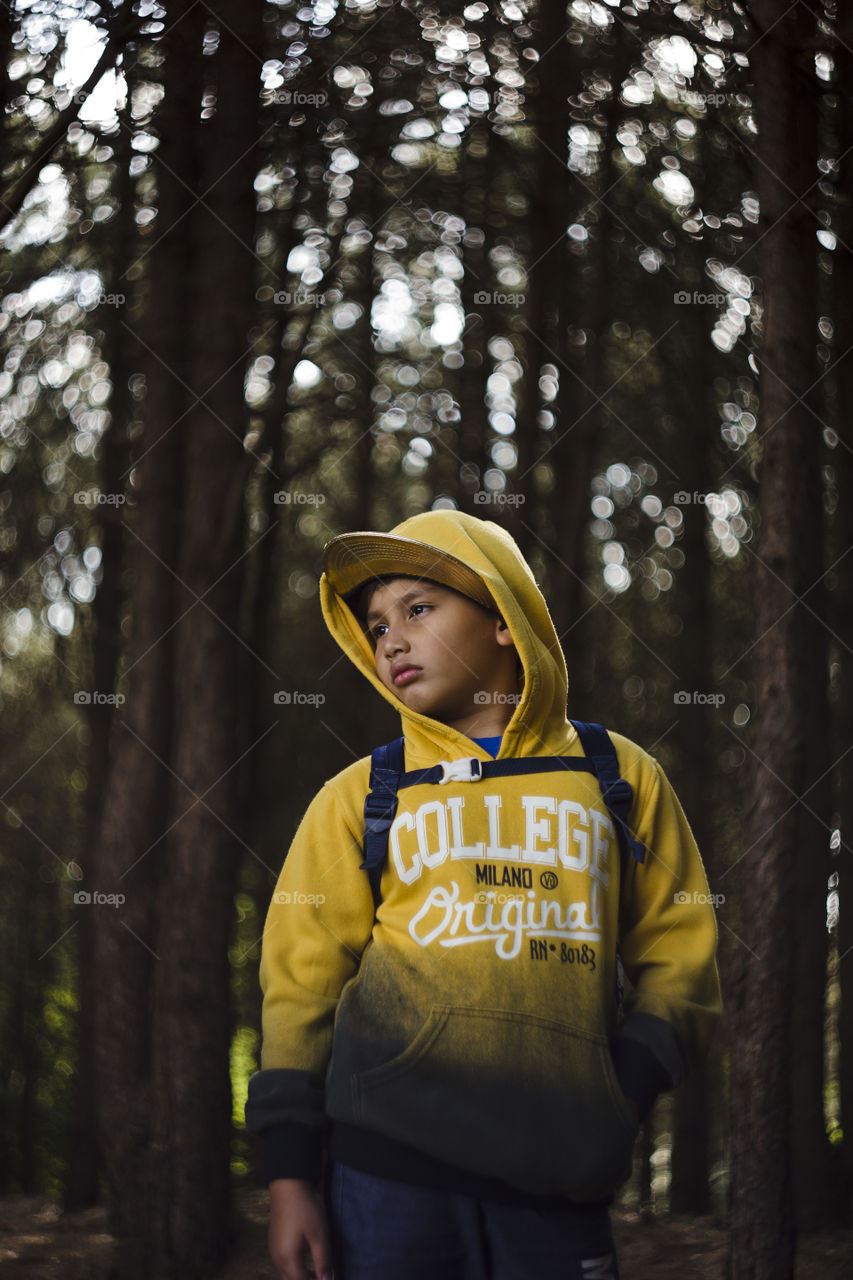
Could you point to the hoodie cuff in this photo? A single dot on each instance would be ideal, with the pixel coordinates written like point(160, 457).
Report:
point(292, 1150)
point(641, 1075)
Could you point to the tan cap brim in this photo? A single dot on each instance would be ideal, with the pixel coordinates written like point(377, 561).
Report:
point(352, 559)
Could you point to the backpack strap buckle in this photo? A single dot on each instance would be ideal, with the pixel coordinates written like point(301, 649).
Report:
point(468, 770)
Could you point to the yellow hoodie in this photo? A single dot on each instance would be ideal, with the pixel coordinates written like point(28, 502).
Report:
point(472, 1017)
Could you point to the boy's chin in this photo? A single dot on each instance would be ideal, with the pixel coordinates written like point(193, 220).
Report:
point(425, 706)
point(420, 701)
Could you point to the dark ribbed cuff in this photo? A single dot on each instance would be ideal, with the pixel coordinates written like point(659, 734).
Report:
point(641, 1075)
point(292, 1150)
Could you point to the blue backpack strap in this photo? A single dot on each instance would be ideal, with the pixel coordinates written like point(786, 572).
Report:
point(618, 794)
point(511, 767)
point(380, 806)
point(387, 775)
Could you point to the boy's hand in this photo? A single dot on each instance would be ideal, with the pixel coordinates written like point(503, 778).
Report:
point(298, 1232)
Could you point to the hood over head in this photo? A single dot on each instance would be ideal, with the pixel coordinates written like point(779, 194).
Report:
point(480, 559)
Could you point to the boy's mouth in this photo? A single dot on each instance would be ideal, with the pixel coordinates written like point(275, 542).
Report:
point(404, 673)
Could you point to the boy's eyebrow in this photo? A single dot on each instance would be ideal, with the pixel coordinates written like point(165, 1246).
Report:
point(373, 614)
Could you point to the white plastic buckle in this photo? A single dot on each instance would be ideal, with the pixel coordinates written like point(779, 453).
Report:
point(470, 770)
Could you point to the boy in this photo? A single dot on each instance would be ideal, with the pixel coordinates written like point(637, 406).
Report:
point(446, 1089)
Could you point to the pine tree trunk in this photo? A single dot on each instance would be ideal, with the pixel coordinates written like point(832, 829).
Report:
point(843, 607)
point(191, 1099)
point(583, 293)
point(128, 853)
point(553, 193)
point(368, 201)
point(30, 974)
point(692, 456)
point(787, 562)
point(81, 1187)
point(814, 1186)
point(7, 28)
point(473, 430)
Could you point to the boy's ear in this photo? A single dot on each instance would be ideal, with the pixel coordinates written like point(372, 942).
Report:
point(503, 634)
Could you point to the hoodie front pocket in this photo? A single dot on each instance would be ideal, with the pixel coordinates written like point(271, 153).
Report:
point(375, 1077)
point(527, 1099)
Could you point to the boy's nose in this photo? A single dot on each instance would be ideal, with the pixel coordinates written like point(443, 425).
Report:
point(393, 642)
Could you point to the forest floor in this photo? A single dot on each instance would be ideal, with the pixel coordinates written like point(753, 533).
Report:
point(39, 1242)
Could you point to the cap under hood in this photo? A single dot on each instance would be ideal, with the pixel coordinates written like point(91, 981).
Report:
point(539, 725)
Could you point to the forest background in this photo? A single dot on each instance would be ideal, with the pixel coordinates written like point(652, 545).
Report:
point(277, 270)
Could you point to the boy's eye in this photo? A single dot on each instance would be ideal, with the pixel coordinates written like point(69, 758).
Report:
point(376, 631)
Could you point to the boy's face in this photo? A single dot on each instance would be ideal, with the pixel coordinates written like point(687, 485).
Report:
point(436, 650)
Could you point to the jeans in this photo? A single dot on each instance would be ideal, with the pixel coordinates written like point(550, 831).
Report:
point(387, 1230)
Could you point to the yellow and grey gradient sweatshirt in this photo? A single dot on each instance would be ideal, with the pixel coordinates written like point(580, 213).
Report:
point(465, 1033)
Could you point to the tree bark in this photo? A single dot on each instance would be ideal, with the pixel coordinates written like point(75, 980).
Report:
point(689, 1190)
point(814, 1180)
point(843, 609)
point(191, 1099)
point(787, 562)
point(696, 469)
point(472, 431)
point(127, 855)
point(83, 1167)
point(550, 311)
point(583, 293)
